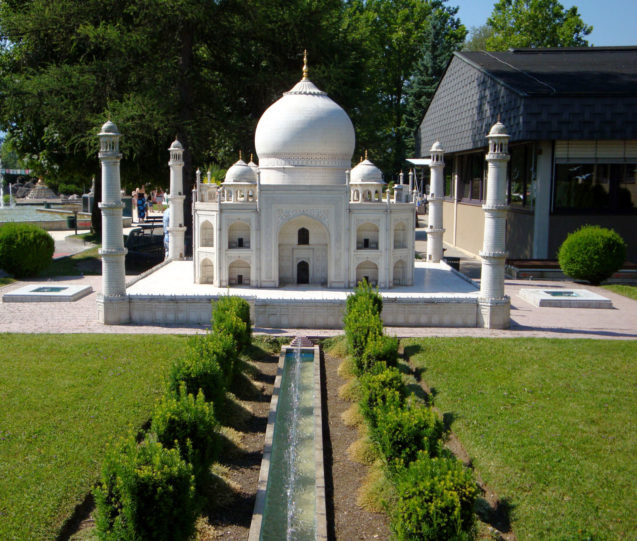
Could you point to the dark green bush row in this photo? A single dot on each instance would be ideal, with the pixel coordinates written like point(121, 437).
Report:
point(147, 490)
point(25, 249)
point(433, 492)
point(592, 253)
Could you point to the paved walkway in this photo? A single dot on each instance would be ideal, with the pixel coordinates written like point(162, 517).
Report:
point(620, 322)
point(80, 316)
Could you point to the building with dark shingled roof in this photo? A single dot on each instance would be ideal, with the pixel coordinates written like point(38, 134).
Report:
point(572, 117)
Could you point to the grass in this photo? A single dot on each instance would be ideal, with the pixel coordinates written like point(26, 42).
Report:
point(549, 425)
point(64, 397)
point(86, 262)
point(625, 290)
point(6, 280)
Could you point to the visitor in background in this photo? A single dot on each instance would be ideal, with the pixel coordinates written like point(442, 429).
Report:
point(141, 206)
point(166, 224)
point(134, 196)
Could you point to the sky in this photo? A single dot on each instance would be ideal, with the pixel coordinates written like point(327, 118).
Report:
point(614, 21)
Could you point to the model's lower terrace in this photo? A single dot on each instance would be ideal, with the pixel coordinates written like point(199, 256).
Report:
point(440, 297)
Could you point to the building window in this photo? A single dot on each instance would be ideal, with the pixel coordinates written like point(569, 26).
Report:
point(521, 172)
point(304, 236)
point(595, 187)
point(471, 171)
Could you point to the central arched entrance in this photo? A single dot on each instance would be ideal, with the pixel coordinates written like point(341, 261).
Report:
point(303, 246)
point(303, 272)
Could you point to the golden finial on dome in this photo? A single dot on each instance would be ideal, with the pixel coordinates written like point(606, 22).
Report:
point(365, 153)
point(239, 155)
point(250, 156)
point(305, 70)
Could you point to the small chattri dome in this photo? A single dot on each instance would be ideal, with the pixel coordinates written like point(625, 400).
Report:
point(366, 173)
point(241, 173)
point(498, 129)
point(109, 128)
point(436, 147)
point(176, 145)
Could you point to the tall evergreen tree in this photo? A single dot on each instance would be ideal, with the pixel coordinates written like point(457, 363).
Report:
point(444, 35)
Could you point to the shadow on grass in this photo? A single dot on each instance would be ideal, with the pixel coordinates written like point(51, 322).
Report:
point(224, 505)
point(81, 512)
point(499, 515)
point(448, 419)
point(411, 350)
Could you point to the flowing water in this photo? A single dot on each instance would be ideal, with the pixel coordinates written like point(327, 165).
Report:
point(290, 504)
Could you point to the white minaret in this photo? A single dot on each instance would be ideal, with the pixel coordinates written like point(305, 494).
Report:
point(494, 305)
point(176, 230)
point(112, 303)
point(436, 196)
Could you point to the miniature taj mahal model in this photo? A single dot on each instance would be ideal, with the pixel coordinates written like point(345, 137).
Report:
point(295, 233)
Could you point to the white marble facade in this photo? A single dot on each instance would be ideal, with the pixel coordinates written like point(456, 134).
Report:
point(303, 215)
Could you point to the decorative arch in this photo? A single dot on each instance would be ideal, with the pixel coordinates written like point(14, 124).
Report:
point(367, 270)
point(400, 235)
point(239, 273)
point(400, 273)
point(292, 249)
point(303, 236)
point(367, 235)
point(206, 272)
point(207, 235)
point(239, 235)
point(302, 272)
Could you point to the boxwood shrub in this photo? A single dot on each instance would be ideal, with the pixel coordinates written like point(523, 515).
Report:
point(402, 431)
point(434, 501)
point(220, 347)
point(188, 424)
point(146, 492)
point(25, 249)
point(231, 315)
point(592, 254)
point(379, 388)
point(379, 348)
point(199, 372)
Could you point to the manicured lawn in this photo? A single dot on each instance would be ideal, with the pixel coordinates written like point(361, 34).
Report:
point(63, 398)
point(627, 291)
point(549, 424)
point(86, 262)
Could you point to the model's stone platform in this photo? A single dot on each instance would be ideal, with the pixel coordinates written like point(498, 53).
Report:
point(440, 297)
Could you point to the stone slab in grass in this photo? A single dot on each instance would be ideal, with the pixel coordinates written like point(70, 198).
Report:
point(564, 298)
point(47, 293)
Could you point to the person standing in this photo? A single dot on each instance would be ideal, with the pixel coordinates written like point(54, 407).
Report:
point(166, 224)
point(141, 206)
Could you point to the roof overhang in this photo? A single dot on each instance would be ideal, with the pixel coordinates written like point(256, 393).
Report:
point(419, 161)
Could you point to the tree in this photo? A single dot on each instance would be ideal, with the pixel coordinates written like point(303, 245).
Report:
point(535, 23)
point(390, 34)
point(444, 35)
point(477, 38)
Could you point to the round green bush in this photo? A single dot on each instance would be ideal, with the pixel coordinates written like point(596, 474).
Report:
point(25, 249)
point(146, 492)
point(188, 424)
point(592, 253)
point(435, 498)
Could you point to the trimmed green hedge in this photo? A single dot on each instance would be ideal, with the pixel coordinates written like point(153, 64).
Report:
point(188, 424)
point(592, 253)
point(147, 492)
point(434, 501)
point(25, 249)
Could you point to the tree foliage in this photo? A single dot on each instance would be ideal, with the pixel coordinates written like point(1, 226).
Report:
point(203, 70)
point(535, 23)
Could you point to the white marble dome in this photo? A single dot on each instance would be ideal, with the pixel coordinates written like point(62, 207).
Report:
point(366, 173)
point(305, 128)
point(241, 173)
